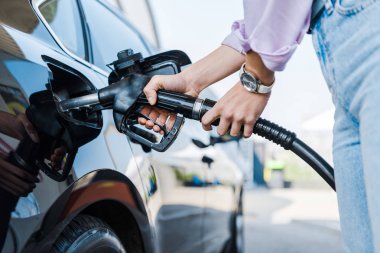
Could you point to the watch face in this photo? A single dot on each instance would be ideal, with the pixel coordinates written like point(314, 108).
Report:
point(249, 82)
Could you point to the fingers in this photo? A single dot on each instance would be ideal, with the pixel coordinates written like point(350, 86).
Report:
point(237, 109)
point(161, 120)
point(60, 151)
point(15, 189)
point(5, 187)
point(57, 158)
point(171, 121)
point(158, 117)
point(236, 128)
point(248, 129)
point(18, 185)
point(210, 117)
point(223, 126)
point(146, 111)
point(151, 89)
point(153, 115)
point(15, 180)
point(235, 124)
point(30, 130)
point(16, 171)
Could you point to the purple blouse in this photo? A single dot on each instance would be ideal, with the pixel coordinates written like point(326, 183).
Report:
point(271, 28)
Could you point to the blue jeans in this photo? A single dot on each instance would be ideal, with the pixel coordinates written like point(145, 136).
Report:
point(347, 41)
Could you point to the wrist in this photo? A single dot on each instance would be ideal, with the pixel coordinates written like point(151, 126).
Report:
point(188, 78)
point(266, 78)
point(256, 66)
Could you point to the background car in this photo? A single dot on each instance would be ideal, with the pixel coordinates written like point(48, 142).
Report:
point(118, 196)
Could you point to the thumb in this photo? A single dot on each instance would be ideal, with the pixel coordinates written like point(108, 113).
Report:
point(151, 89)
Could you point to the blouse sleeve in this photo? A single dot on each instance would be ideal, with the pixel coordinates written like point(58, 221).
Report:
point(271, 28)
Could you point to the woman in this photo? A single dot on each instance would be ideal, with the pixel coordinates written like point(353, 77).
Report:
point(346, 38)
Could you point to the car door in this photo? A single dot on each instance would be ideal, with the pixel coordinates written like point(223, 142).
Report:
point(175, 205)
point(108, 36)
point(64, 21)
point(113, 149)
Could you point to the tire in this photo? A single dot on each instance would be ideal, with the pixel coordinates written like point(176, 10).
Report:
point(88, 234)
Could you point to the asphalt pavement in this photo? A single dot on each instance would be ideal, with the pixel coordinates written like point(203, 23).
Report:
point(291, 221)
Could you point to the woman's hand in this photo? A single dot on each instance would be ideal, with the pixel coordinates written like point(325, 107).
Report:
point(238, 108)
point(175, 83)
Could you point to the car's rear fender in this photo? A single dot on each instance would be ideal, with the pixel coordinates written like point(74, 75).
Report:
point(106, 194)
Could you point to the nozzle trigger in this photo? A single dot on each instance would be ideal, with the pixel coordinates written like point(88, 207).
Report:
point(166, 141)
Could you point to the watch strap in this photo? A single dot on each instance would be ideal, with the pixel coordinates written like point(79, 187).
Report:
point(261, 88)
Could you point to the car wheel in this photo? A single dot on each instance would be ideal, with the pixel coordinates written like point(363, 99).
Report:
point(88, 234)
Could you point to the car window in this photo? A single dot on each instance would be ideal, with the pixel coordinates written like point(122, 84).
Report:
point(139, 13)
point(109, 34)
point(64, 18)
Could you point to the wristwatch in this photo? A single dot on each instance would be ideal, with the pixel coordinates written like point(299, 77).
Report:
point(253, 84)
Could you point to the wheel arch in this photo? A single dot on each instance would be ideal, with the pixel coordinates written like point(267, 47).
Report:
point(118, 217)
point(106, 194)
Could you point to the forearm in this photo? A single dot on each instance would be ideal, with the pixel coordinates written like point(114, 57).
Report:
point(217, 65)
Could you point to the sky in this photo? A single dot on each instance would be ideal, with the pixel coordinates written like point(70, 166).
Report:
point(199, 26)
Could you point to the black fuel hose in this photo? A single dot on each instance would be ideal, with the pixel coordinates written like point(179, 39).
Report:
point(194, 108)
